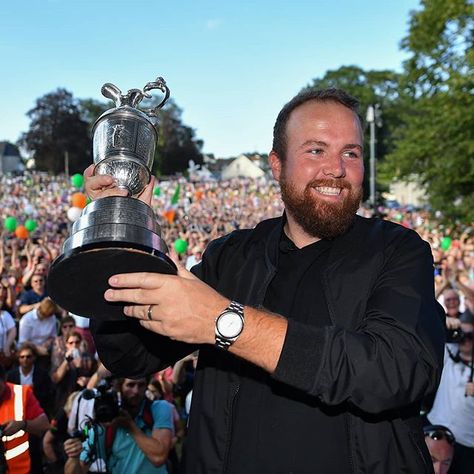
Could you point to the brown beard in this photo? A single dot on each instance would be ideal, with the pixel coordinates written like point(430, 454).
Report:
point(317, 217)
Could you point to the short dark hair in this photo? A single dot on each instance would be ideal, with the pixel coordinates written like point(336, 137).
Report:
point(319, 95)
point(28, 346)
point(67, 319)
point(3, 374)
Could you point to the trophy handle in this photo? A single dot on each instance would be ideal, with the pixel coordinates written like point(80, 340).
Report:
point(160, 84)
point(134, 96)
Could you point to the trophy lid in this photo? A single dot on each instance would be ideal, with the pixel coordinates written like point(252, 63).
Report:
point(128, 103)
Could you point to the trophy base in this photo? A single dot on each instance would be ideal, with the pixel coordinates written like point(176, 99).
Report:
point(78, 279)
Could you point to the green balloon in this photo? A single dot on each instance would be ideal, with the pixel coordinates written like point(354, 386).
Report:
point(157, 191)
point(180, 245)
point(10, 224)
point(77, 180)
point(446, 243)
point(31, 225)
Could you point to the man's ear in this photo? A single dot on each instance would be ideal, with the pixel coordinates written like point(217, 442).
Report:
point(275, 165)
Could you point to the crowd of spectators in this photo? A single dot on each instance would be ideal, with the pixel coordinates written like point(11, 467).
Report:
point(44, 346)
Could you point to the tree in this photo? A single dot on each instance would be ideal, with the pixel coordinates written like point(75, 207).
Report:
point(435, 142)
point(370, 88)
point(56, 128)
point(91, 110)
point(176, 142)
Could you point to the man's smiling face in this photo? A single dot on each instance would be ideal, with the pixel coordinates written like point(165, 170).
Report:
point(322, 172)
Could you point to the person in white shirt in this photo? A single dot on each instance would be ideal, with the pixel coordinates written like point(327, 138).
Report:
point(7, 335)
point(39, 326)
point(453, 406)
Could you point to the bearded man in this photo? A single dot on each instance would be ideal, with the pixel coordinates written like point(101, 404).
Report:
point(318, 332)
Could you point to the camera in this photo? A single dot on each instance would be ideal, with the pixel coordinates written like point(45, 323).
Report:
point(106, 401)
point(458, 335)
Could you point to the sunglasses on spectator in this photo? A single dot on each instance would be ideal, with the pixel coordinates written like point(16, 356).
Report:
point(40, 280)
point(74, 342)
point(28, 356)
point(438, 433)
point(67, 326)
point(451, 299)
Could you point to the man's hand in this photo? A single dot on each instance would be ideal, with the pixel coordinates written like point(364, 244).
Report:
point(100, 186)
point(469, 389)
point(182, 306)
point(452, 323)
point(73, 447)
point(11, 427)
point(124, 420)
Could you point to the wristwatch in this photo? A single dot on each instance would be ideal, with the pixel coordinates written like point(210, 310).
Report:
point(229, 325)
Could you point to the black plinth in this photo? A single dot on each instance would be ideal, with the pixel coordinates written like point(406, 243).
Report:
point(78, 280)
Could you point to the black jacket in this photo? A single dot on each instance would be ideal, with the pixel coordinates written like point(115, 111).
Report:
point(42, 385)
point(380, 357)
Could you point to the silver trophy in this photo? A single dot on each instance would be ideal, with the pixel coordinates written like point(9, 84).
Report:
point(114, 234)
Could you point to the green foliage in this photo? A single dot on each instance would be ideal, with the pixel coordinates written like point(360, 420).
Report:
point(56, 128)
point(435, 142)
point(92, 109)
point(176, 142)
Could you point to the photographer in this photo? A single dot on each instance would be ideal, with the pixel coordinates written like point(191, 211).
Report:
point(138, 440)
point(453, 406)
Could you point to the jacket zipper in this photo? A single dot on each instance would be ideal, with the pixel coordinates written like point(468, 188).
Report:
point(348, 421)
point(262, 293)
point(229, 430)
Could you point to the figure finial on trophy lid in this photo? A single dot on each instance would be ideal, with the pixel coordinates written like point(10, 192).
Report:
point(113, 93)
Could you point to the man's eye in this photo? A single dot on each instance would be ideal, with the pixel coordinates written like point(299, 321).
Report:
point(316, 151)
point(350, 154)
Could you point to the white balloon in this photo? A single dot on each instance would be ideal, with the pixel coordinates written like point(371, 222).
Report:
point(28, 209)
point(73, 213)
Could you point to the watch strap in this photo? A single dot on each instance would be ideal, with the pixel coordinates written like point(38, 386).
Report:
point(225, 342)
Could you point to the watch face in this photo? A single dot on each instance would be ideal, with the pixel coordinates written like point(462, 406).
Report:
point(229, 324)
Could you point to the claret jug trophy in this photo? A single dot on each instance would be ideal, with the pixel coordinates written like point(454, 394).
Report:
point(114, 234)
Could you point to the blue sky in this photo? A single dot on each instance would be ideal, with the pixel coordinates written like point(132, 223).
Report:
point(230, 65)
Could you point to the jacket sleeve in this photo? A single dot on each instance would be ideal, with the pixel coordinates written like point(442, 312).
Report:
point(394, 358)
point(129, 350)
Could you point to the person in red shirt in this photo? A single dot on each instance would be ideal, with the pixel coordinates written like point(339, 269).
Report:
point(20, 414)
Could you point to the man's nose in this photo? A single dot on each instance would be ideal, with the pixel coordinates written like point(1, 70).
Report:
point(334, 166)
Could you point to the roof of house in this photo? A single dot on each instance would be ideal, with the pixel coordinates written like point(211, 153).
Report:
point(8, 149)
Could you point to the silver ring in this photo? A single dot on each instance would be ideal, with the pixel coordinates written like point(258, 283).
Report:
point(150, 309)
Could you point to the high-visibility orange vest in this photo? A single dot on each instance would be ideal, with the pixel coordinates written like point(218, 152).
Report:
point(16, 445)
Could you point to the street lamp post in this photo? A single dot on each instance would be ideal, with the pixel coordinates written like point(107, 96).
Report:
point(373, 117)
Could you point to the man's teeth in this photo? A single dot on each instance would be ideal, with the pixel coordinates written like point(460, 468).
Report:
point(330, 191)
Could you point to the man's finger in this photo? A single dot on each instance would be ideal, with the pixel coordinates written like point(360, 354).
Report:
point(127, 296)
point(151, 325)
point(182, 272)
point(147, 193)
point(145, 280)
point(89, 171)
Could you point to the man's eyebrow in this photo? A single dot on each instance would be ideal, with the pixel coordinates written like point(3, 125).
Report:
point(348, 146)
point(314, 143)
point(351, 146)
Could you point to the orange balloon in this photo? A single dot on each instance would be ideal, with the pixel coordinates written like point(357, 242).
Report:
point(79, 200)
point(21, 232)
point(169, 215)
point(198, 195)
